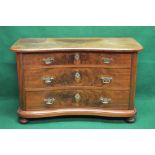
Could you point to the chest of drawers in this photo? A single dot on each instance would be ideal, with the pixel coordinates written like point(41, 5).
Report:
point(76, 76)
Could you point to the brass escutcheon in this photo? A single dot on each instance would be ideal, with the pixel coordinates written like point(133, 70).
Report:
point(77, 97)
point(77, 76)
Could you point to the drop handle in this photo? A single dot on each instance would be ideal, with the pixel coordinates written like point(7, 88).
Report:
point(107, 60)
point(48, 61)
point(104, 100)
point(49, 101)
point(48, 80)
point(105, 80)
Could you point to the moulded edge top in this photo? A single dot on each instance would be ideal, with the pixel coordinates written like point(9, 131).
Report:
point(72, 44)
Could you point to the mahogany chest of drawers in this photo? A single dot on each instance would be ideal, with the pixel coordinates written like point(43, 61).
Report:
point(76, 76)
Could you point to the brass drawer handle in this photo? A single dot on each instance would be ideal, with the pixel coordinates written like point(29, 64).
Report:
point(107, 60)
point(48, 61)
point(77, 97)
point(105, 80)
point(48, 80)
point(105, 100)
point(49, 101)
point(77, 77)
point(77, 58)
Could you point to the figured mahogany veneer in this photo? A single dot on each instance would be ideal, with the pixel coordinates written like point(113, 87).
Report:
point(67, 58)
point(88, 77)
point(76, 76)
point(34, 100)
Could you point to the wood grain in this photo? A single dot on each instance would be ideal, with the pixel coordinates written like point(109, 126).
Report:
point(133, 80)
point(36, 60)
point(57, 44)
point(88, 77)
point(76, 111)
point(19, 61)
point(91, 51)
point(66, 99)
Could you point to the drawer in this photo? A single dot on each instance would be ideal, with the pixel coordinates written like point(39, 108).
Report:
point(46, 100)
point(52, 59)
point(58, 77)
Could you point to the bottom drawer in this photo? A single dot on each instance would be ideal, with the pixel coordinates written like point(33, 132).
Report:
point(57, 99)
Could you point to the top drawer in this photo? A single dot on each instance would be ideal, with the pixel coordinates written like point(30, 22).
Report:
point(52, 59)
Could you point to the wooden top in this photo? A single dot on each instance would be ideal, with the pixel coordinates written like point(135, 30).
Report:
point(54, 44)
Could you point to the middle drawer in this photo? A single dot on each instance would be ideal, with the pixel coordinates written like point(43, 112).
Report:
point(58, 77)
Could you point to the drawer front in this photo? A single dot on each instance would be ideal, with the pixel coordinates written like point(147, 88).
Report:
point(46, 100)
point(51, 59)
point(107, 78)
